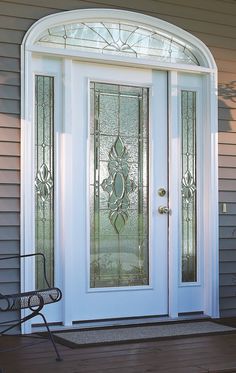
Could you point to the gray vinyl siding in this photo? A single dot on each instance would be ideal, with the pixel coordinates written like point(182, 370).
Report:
point(226, 61)
point(9, 157)
point(212, 21)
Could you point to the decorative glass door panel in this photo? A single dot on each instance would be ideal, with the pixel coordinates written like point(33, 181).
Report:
point(44, 176)
point(119, 239)
point(119, 229)
point(189, 187)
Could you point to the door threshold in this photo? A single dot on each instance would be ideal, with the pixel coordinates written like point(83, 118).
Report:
point(124, 322)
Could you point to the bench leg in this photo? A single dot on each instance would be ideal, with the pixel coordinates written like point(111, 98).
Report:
point(59, 358)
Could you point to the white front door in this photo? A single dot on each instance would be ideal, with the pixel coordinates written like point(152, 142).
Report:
point(118, 160)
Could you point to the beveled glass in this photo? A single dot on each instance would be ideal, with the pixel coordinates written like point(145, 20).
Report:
point(44, 175)
point(189, 198)
point(119, 232)
point(121, 39)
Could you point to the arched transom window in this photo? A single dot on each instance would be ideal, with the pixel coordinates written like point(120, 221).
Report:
point(120, 38)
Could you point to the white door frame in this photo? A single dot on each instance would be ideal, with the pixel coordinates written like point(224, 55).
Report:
point(210, 131)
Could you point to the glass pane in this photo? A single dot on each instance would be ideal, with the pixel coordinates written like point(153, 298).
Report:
point(44, 178)
point(189, 199)
point(120, 39)
point(119, 186)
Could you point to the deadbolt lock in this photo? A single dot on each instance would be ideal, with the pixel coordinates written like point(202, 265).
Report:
point(161, 192)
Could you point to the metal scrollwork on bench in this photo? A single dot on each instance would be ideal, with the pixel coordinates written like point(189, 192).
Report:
point(33, 300)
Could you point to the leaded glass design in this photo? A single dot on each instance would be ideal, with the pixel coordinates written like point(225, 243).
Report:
point(119, 254)
point(44, 175)
point(189, 199)
point(121, 39)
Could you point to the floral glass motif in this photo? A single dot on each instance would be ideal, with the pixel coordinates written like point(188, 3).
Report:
point(44, 182)
point(118, 185)
point(189, 199)
point(119, 253)
point(44, 171)
point(124, 39)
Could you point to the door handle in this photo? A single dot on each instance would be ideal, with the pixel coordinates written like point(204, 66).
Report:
point(163, 210)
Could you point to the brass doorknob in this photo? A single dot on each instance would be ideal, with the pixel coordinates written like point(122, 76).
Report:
point(163, 210)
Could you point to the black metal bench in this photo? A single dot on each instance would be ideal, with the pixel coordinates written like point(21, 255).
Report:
point(34, 300)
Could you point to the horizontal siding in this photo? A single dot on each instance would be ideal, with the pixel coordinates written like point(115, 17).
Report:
point(230, 312)
point(226, 66)
point(15, 23)
point(227, 149)
point(226, 196)
point(227, 232)
point(227, 255)
point(9, 120)
point(9, 176)
point(224, 103)
point(9, 190)
point(12, 30)
point(9, 163)
point(9, 288)
point(182, 12)
point(4, 264)
point(10, 106)
point(9, 246)
point(139, 4)
point(9, 134)
point(9, 78)
point(227, 161)
point(9, 64)
point(226, 78)
point(213, 21)
point(10, 218)
point(9, 205)
point(223, 53)
point(228, 266)
point(11, 36)
point(10, 50)
point(227, 125)
point(226, 59)
point(18, 9)
point(227, 173)
point(227, 303)
point(227, 220)
point(227, 114)
point(227, 279)
point(10, 92)
point(7, 273)
point(215, 40)
point(227, 244)
point(227, 186)
point(10, 231)
point(227, 292)
point(9, 317)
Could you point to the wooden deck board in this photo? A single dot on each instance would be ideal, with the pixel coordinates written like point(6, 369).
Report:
point(213, 353)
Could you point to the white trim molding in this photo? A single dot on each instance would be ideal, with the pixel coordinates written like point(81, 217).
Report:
point(207, 67)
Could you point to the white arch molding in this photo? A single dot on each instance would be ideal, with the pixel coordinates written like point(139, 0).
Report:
point(207, 67)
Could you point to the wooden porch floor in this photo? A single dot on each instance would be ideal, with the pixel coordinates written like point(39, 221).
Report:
point(213, 353)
